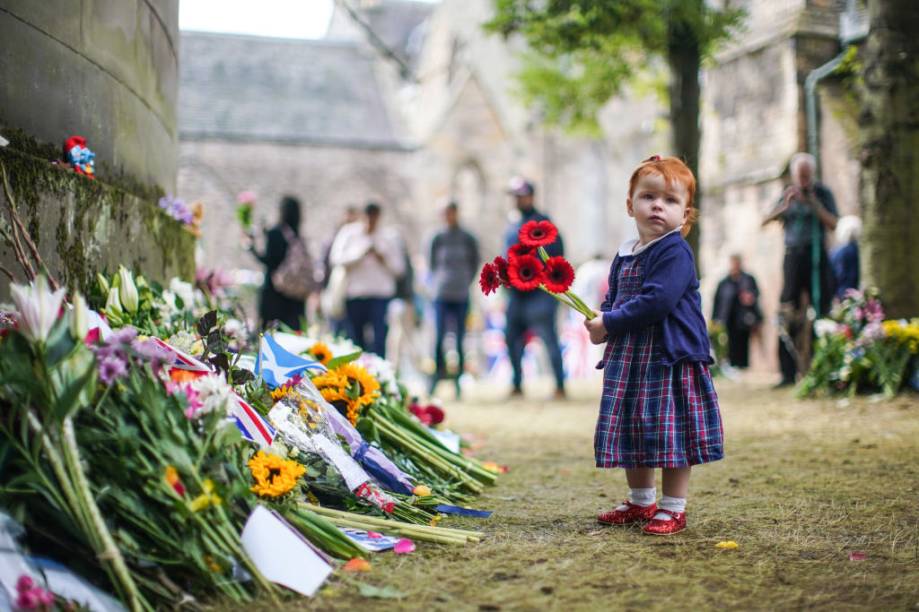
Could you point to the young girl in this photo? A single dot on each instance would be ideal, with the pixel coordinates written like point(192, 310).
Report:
point(659, 408)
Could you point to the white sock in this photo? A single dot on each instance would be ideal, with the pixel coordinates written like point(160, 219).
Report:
point(674, 504)
point(640, 497)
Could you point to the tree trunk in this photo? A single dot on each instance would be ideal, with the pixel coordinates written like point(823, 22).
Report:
point(890, 154)
point(685, 58)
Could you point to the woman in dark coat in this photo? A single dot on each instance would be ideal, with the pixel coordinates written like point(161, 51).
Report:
point(272, 305)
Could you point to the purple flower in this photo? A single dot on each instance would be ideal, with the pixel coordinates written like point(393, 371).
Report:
point(111, 369)
point(177, 209)
point(123, 336)
point(148, 350)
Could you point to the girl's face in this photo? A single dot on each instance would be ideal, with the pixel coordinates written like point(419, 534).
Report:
point(657, 208)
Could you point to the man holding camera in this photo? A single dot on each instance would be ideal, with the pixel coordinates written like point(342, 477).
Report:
point(807, 209)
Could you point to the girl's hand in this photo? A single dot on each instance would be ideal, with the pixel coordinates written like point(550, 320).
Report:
point(596, 329)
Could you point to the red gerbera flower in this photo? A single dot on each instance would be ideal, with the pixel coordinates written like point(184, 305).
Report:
point(489, 279)
point(558, 275)
point(500, 265)
point(517, 250)
point(525, 272)
point(537, 233)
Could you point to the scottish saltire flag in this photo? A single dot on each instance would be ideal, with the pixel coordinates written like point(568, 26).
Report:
point(253, 426)
point(276, 365)
point(181, 360)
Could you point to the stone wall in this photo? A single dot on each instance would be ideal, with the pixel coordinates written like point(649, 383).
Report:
point(326, 179)
point(84, 226)
point(104, 69)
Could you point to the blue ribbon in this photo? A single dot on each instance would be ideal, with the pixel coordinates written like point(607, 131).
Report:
point(445, 509)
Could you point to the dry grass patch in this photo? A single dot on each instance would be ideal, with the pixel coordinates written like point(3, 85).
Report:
point(803, 485)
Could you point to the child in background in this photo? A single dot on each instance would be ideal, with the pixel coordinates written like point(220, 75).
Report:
point(659, 408)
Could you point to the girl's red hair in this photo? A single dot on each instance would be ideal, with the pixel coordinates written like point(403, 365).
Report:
point(673, 170)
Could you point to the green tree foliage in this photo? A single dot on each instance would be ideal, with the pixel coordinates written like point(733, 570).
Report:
point(584, 51)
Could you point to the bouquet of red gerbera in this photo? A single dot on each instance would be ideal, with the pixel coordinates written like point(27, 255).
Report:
point(529, 267)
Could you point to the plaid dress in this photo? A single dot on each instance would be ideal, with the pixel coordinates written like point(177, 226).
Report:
point(653, 414)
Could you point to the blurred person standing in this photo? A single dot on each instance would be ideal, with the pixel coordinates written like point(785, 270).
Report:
point(806, 210)
point(373, 260)
point(736, 307)
point(531, 311)
point(453, 264)
point(274, 305)
point(845, 258)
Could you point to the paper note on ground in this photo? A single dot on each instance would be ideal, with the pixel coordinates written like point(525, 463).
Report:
point(282, 554)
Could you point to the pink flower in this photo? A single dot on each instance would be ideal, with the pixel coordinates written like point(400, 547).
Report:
point(404, 547)
point(373, 535)
point(46, 597)
point(25, 583)
point(28, 600)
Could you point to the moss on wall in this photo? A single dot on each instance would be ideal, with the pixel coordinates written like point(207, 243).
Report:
point(82, 226)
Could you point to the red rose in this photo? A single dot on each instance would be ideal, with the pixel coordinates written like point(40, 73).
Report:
point(537, 233)
point(558, 275)
point(421, 413)
point(500, 265)
point(525, 272)
point(435, 414)
point(517, 250)
point(489, 279)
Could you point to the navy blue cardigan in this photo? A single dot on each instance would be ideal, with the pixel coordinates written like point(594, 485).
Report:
point(669, 297)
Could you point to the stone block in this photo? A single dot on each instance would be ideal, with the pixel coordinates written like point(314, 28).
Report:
point(57, 19)
point(83, 226)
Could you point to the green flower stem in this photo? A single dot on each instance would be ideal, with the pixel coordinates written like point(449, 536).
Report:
point(108, 551)
point(227, 534)
point(387, 429)
point(324, 533)
point(476, 471)
point(586, 310)
point(422, 532)
point(414, 429)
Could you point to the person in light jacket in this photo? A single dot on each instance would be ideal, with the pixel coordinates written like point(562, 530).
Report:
point(373, 258)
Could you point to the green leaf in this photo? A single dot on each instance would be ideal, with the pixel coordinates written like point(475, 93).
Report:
point(343, 359)
point(374, 592)
point(59, 343)
point(206, 323)
point(82, 380)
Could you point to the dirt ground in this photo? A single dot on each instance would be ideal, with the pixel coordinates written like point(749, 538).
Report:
point(804, 486)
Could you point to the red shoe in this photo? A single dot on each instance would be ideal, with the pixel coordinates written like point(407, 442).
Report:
point(632, 514)
point(675, 524)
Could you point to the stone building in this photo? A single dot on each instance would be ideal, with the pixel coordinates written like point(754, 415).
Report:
point(279, 116)
point(404, 102)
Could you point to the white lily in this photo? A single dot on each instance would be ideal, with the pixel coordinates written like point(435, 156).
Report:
point(38, 308)
point(129, 298)
point(79, 318)
point(113, 303)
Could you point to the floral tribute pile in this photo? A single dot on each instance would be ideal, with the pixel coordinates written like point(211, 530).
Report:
point(136, 440)
point(858, 351)
point(528, 267)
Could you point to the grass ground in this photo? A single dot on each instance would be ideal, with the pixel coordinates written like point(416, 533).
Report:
point(804, 485)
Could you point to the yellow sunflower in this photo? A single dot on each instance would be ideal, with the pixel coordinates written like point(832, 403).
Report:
point(274, 476)
point(321, 352)
point(368, 388)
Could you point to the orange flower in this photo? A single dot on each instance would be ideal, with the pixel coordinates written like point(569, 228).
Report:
point(357, 564)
